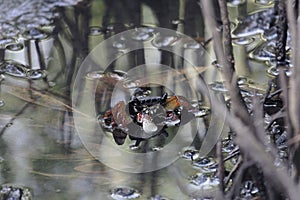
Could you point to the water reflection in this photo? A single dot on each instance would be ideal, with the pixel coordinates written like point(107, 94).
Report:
point(40, 55)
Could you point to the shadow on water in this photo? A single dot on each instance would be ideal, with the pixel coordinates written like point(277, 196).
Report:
point(42, 46)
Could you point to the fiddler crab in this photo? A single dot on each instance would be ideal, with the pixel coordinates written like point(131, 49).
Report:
point(146, 116)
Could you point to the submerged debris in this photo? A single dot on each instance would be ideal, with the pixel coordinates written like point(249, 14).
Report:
point(15, 192)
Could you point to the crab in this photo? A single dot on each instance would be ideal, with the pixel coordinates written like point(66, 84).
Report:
point(146, 116)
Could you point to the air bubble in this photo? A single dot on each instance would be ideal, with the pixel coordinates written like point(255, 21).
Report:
point(120, 193)
point(254, 24)
point(249, 190)
point(35, 34)
point(242, 81)
point(96, 30)
point(2, 103)
point(177, 21)
point(12, 192)
point(236, 2)
point(204, 181)
point(218, 87)
point(228, 146)
point(119, 45)
point(164, 41)
point(264, 2)
point(201, 112)
point(36, 74)
point(190, 154)
point(156, 148)
point(14, 69)
point(192, 45)
point(243, 41)
point(274, 71)
point(51, 84)
point(15, 47)
point(142, 34)
point(6, 41)
point(216, 64)
point(8, 30)
point(95, 75)
point(203, 162)
point(9, 125)
point(131, 84)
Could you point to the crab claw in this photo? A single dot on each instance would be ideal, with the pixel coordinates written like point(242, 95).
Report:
point(148, 126)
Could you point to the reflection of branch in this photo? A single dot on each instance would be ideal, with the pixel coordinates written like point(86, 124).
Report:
point(224, 56)
point(249, 130)
point(256, 150)
point(40, 98)
point(11, 121)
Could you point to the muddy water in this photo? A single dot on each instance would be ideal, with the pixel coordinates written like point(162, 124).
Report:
point(42, 47)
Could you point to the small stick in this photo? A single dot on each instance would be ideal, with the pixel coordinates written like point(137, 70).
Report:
point(220, 167)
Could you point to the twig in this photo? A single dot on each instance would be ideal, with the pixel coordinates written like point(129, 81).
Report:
point(240, 171)
point(294, 82)
point(281, 29)
point(234, 170)
point(227, 41)
point(220, 167)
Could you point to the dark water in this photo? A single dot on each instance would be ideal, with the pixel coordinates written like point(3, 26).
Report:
point(43, 44)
